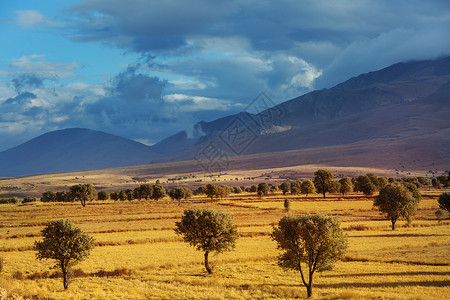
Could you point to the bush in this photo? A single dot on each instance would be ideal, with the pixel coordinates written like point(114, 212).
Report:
point(13, 200)
point(28, 200)
point(103, 195)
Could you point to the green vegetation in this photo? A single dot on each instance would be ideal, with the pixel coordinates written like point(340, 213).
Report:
point(83, 193)
point(207, 230)
point(65, 243)
point(316, 241)
point(398, 200)
point(323, 181)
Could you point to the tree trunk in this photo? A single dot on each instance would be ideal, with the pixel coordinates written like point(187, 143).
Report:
point(393, 223)
point(83, 202)
point(66, 275)
point(207, 266)
point(324, 195)
point(309, 290)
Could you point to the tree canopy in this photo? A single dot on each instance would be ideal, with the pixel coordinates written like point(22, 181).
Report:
point(323, 181)
point(207, 230)
point(83, 193)
point(398, 200)
point(65, 243)
point(309, 243)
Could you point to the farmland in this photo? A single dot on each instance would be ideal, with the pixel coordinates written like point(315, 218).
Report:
point(138, 255)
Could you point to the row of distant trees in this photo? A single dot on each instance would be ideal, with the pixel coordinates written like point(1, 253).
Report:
point(323, 183)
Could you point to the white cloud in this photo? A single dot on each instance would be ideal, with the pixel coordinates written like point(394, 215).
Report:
point(33, 18)
point(188, 103)
point(36, 65)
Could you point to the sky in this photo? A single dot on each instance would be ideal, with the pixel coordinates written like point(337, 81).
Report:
point(145, 69)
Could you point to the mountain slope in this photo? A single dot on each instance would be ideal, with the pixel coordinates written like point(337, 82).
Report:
point(72, 149)
point(406, 100)
point(401, 111)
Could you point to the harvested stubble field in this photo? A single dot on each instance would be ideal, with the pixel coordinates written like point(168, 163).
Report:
point(138, 255)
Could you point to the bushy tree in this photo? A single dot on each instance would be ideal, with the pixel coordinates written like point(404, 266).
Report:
point(207, 230)
point(145, 191)
point(158, 192)
point(287, 205)
point(366, 185)
point(211, 191)
point(263, 189)
point(177, 193)
point(323, 181)
point(63, 196)
point(396, 200)
point(444, 201)
point(103, 195)
point(83, 193)
point(307, 187)
point(48, 196)
point(237, 190)
point(65, 243)
point(187, 193)
point(309, 243)
point(346, 185)
point(223, 191)
point(285, 187)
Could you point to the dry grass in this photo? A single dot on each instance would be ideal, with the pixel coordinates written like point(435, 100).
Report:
point(140, 257)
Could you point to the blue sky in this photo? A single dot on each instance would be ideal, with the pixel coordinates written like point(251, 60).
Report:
point(148, 69)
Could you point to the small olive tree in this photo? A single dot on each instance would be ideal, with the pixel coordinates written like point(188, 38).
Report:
point(158, 192)
point(346, 185)
point(307, 187)
point(207, 230)
point(323, 181)
point(83, 193)
point(177, 193)
point(65, 243)
point(309, 243)
point(263, 189)
point(398, 200)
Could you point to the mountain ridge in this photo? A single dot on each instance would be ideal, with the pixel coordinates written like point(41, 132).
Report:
point(406, 101)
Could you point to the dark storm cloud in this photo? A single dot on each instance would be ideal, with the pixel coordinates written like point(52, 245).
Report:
point(342, 38)
point(26, 81)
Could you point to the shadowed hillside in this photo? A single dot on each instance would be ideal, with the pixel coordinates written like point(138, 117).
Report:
point(402, 111)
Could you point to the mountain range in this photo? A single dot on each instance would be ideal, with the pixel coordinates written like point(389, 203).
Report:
point(395, 116)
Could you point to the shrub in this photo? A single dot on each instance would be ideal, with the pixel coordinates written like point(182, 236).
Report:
point(13, 200)
point(29, 200)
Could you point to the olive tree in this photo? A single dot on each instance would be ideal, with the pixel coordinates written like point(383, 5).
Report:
point(346, 185)
point(211, 191)
point(444, 201)
point(285, 187)
point(307, 187)
point(158, 192)
point(65, 243)
point(309, 243)
point(398, 200)
point(323, 181)
point(263, 189)
point(207, 230)
point(83, 193)
point(177, 193)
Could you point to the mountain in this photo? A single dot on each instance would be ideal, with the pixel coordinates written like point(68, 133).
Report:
point(397, 116)
point(407, 101)
point(72, 149)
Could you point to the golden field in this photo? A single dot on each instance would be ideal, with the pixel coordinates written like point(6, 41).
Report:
point(138, 255)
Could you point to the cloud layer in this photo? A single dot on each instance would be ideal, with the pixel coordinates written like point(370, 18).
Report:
point(199, 60)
